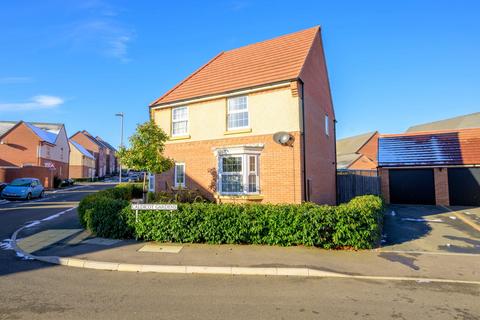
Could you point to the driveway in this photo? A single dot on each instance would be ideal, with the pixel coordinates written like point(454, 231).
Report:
point(432, 229)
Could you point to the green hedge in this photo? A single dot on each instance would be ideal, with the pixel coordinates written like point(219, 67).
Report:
point(356, 224)
point(99, 210)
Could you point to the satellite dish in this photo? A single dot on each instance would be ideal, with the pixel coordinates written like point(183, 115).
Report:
point(283, 138)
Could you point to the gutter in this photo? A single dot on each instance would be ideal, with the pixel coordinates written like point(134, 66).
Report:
point(304, 146)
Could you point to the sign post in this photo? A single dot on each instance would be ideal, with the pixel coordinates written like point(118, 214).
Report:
point(152, 206)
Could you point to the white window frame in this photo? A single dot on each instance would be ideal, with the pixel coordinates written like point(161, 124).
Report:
point(151, 182)
point(245, 173)
point(180, 120)
point(175, 183)
point(327, 125)
point(238, 111)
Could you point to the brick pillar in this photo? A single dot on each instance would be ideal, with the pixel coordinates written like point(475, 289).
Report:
point(384, 184)
point(441, 186)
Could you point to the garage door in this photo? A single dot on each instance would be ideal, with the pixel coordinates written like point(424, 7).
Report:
point(464, 186)
point(412, 186)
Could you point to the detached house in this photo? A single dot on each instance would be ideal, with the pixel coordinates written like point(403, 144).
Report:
point(38, 150)
point(254, 124)
point(94, 147)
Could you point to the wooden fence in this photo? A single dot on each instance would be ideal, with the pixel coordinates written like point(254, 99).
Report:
point(352, 183)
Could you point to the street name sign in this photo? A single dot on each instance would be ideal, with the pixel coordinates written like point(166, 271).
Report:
point(154, 206)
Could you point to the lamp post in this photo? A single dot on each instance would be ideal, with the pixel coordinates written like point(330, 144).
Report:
point(121, 115)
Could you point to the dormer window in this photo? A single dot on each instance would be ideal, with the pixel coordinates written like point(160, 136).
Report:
point(179, 121)
point(237, 113)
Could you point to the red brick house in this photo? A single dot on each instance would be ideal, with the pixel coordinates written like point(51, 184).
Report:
point(358, 152)
point(110, 157)
point(93, 146)
point(254, 123)
point(41, 147)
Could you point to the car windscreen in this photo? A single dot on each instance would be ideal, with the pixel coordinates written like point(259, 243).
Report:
point(21, 183)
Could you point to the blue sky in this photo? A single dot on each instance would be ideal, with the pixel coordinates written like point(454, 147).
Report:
point(392, 64)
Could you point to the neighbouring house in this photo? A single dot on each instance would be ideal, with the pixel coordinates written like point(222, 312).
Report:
point(37, 150)
point(253, 124)
point(461, 122)
point(358, 152)
point(93, 146)
point(431, 167)
point(82, 162)
point(110, 157)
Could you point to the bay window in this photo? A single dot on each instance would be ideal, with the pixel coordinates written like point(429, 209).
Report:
point(238, 174)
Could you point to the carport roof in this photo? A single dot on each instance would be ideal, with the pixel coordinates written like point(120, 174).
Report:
point(430, 148)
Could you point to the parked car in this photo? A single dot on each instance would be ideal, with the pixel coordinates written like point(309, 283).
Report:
point(2, 186)
point(23, 188)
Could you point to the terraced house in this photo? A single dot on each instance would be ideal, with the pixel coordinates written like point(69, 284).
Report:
point(254, 124)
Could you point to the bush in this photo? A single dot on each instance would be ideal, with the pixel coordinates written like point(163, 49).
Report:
point(356, 224)
point(124, 192)
point(180, 195)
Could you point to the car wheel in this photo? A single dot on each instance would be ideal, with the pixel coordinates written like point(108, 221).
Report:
point(29, 197)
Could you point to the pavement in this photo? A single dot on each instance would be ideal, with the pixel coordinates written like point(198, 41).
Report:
point(32, 289)
point(428, 243)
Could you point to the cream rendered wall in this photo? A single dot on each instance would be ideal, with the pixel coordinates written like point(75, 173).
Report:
point(59, 152)
point(78, 159)
point(269, 112)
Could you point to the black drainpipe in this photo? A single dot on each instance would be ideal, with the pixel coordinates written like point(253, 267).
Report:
point(335, 154)
point(305, 191)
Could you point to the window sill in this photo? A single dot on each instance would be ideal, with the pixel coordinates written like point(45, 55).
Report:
point(246, 130)
point(239, 197)
point(172, 138)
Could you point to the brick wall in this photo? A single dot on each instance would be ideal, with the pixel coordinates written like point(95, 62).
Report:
point(320, 147)
point(441, 186)
point(60, 168)
point(19, 147)
point(280, 167)
point(384, 184)
point(45, 175)
point(370, 149)
point(363, 163)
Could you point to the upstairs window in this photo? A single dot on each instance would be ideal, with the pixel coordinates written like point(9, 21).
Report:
point(179, 121)
point(237, 113)
point(327, 125)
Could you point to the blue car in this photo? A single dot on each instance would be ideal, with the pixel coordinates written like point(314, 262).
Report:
point(23, 188)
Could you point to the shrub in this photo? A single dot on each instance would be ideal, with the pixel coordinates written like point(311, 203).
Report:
point(180, 195)
point(124, 192)
point(356, 224)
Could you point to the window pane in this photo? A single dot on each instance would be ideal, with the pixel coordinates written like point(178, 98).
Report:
point(179, 128)
point(179, 174)
point(252, 183)
point(237, 104)
point(232, 164)
point(252, 164)
point(237, 120)
point(232, 183)
point(179, 113)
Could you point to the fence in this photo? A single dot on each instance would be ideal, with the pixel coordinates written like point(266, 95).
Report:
point(352, 183)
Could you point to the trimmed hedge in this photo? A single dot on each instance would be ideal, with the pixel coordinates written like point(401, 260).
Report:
point(356, 224)
point(101, 212)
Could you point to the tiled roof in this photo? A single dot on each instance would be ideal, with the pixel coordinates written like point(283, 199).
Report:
point(82, 150)
point(445, 147)
point(461, 122)
point(345, 160)
point(44, 135)
point(45, 131)
point(105, 143)
point(266, 62)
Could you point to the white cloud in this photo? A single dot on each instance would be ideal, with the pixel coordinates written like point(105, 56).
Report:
point(15, 80)
point(40, 102)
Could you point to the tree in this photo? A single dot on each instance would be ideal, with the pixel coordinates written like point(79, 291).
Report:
point(145, 154)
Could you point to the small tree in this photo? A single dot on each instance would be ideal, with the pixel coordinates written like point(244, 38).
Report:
point(146, 151)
